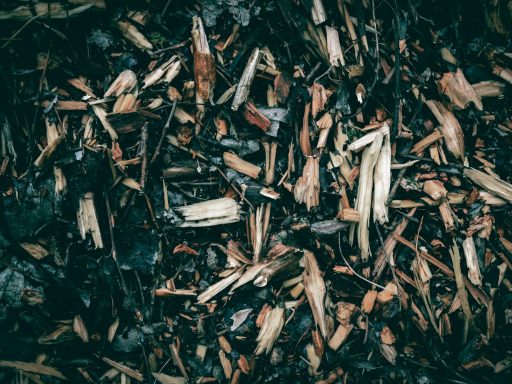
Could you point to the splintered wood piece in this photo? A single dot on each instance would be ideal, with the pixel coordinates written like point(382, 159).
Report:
point(88, 220)
point(421, 145)
point(389, 352)
point(39, 369)
point(48, 151)
point(37, 251)
point(388, 294)
point(204, 63)
point(79, 84)
point(455, 86)
point(386, 252)
point(280, 264)
point(215, 289)
point(318, 12)
point(162, 378)
point(80, 328)
point(318, 98)
point(461, 288)
point(315, 291)
point(101, 114)
point(132, 34)
point(240, 165)
point(504, 73)
point(472, 261)
point(339, 337)
point(334, 48)
point(452, 132)
point(345, 312)
point(226, 365)
point(349, 215)
point(256, 221)
point(270, 161)
point(255, 117)
point(164, 73)
point(436, 190)
point(364, 195)
point(368, 301)
point(492, 184)
point(213, 212)
point(305, 142)
point(382, 180)
point(176, 359)
point(489, 88)
point(270, 330)
point(125, 82)
point(244, 85)
point(124, 369)
point(313, 358)
point(307, 187)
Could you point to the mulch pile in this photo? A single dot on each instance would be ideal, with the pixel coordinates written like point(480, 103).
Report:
point(255, 191)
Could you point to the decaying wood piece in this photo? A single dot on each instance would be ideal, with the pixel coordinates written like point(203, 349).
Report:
point(286, 263)
point(213, 212)
point(382, 180)
point(88, 219)
point(218, 287)
point(455, 86)
point(452, 132)
point(255, 117)
point(472, 261)
point(244, 85)
point(333, 46)
point(240, 165)
point(492, 184)
point(314, 287)
point(307, 187)
point(270, 330)
point(204, 64)
point(364, 195)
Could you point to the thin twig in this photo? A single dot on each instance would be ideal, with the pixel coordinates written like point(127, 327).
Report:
point(164, 131)
point(352, 269)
